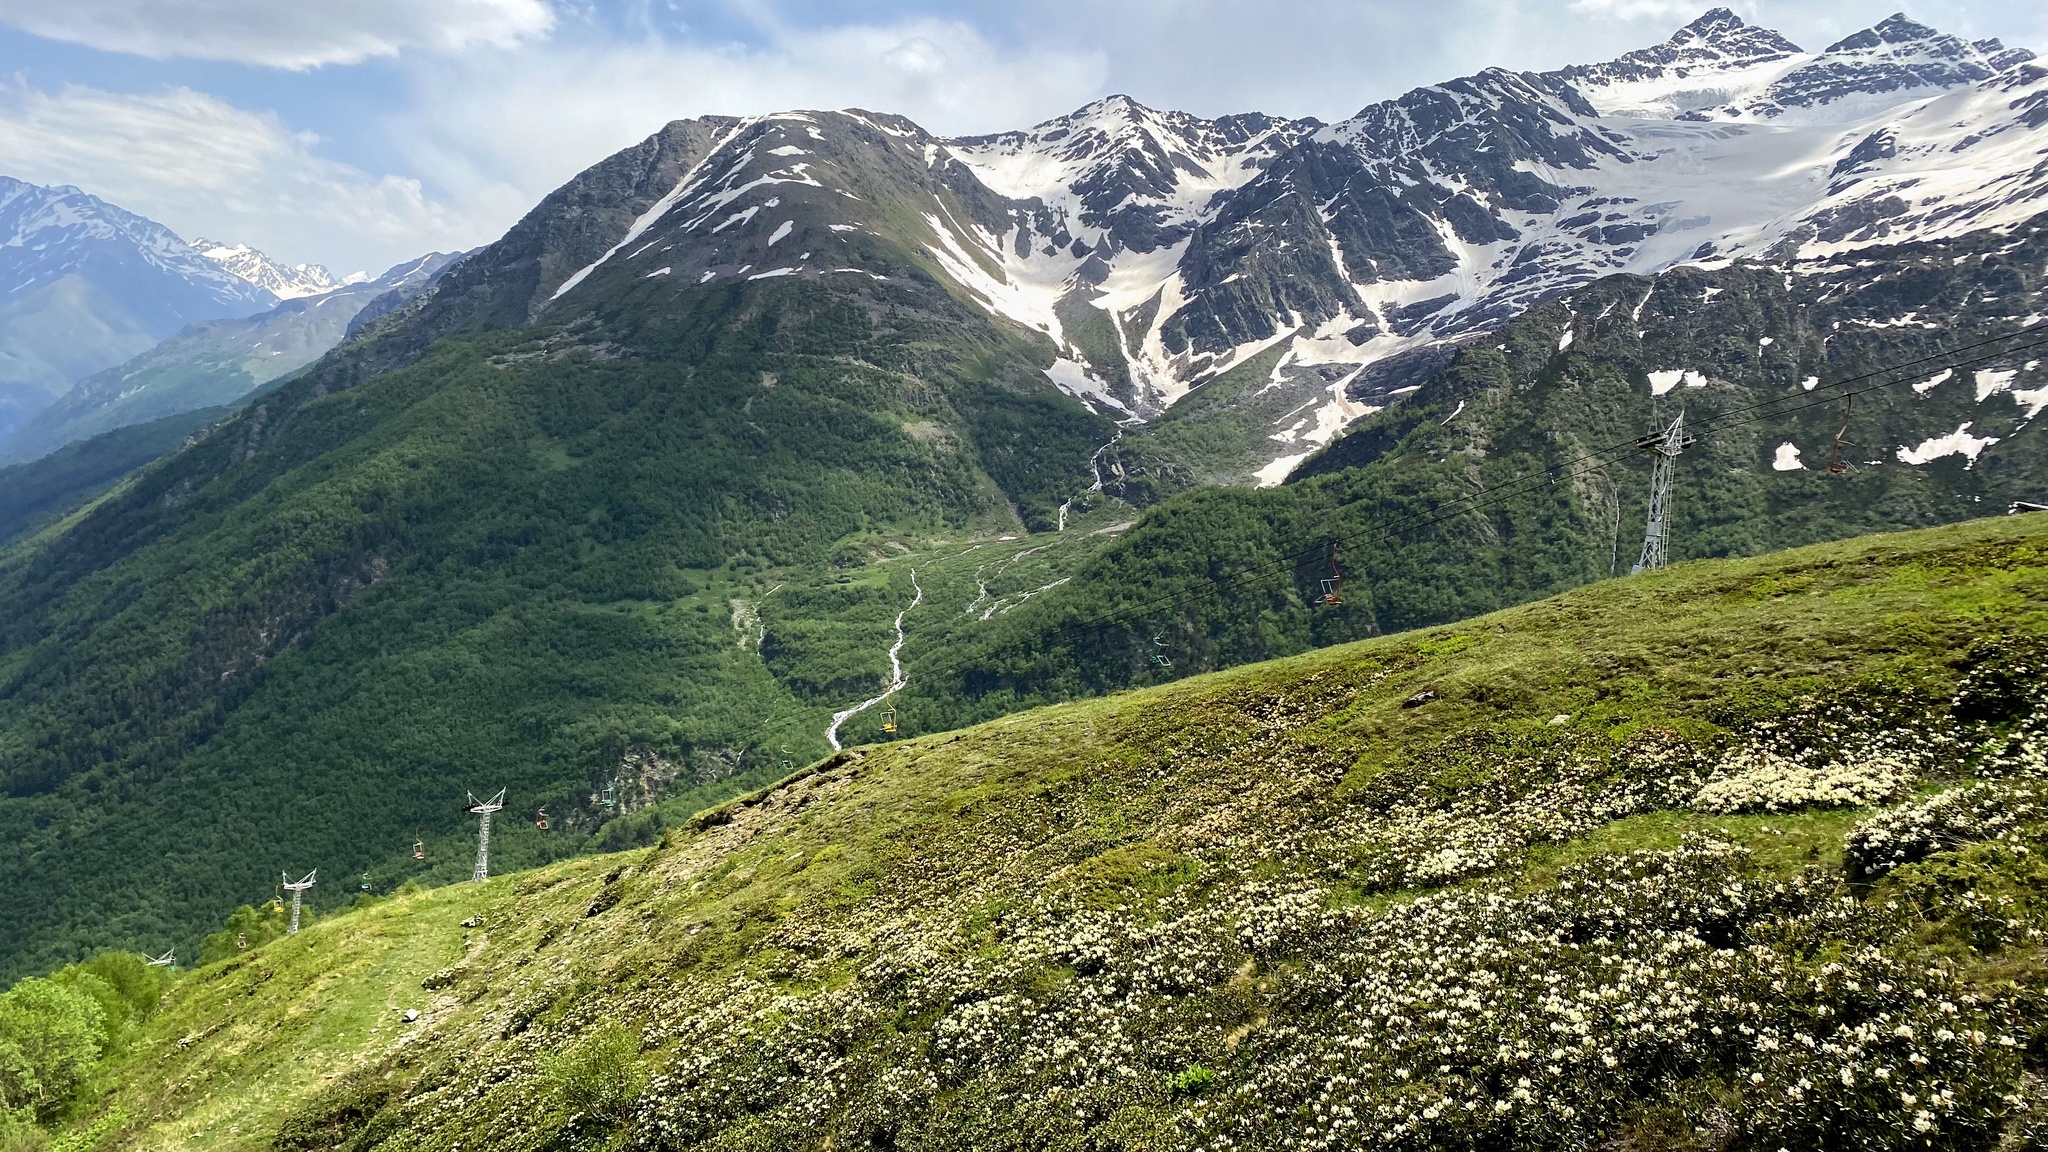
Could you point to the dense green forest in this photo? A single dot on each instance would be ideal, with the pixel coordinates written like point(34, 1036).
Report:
point(43, 491)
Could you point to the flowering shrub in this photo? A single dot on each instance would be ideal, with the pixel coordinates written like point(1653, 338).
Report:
point(1915, 831)
point(1756, 780)
point(1256, 944)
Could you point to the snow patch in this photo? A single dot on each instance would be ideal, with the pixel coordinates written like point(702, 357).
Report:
point(739, 217)
point(662, 271)
point(1665, 381)
point(1929, 384)
point(1990, 382)
point(1276, 472)
point(1956, 443)
point(1074, 378)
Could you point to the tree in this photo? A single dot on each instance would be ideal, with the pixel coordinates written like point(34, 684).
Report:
point(50, 1038)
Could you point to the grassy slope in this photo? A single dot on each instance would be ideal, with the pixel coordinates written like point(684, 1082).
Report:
point(953, 853)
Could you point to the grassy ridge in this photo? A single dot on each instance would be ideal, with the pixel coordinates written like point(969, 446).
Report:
point(1332, 898)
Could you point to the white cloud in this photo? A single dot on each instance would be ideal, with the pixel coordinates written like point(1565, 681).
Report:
point(294, 34)
point(204, 167)
point(532, 117)
point(1678, 11)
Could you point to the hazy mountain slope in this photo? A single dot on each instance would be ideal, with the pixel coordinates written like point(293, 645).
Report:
point(87, 286)
point(1593, 372)
point(511, 560)
point(216, 363)
point(1565, 877)
point(51, 487)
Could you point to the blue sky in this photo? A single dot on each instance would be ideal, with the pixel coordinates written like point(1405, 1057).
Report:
point(357, 133)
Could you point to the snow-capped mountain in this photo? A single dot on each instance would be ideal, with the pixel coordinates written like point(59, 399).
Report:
point(85, 285)
point(1718, 68)
point(217, 362)
point(285, 281)
point(1314, 270)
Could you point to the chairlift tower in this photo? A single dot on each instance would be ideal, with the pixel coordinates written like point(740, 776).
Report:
point(482, 810)
point(297, 890)
point(1665, 446)
point(167, 960)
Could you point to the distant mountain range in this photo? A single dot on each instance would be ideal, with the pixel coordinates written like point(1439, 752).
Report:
point(285, 281)
point(216, 362)
point(85, 285)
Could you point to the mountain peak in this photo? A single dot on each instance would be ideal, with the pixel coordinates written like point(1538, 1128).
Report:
point(1722, 28)
point(1698, 68)
point(1896, 28)
point(285, 281)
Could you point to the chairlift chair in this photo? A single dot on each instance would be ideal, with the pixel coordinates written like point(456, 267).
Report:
point(1837, 465)
point(365, 883)
point(889, 721)
point(609, 796)
point(540, 818)
point(1159, 658)
point(1333, 584)
point(419, 847)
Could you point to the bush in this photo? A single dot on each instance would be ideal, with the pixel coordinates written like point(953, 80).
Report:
point(123, 984)
point(20, 1133)
point(50, 1038)
point(246, 927)
point(336, 1117)
point(599, 1075)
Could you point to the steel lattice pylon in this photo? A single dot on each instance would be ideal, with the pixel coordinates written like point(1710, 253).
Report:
point(482, 810)
point(1666, 446)
point(297, 890)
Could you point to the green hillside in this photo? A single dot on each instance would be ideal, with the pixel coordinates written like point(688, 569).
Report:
point(44, 491)
point(1742, 854)
point(514, 563)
